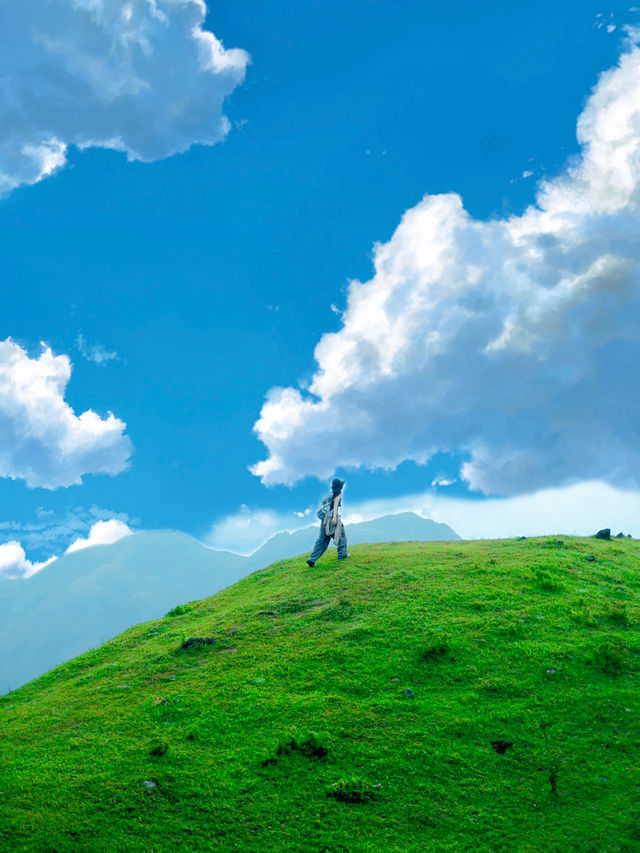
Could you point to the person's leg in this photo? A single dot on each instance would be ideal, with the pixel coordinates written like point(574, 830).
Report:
point(342, 545)
point(322, 543)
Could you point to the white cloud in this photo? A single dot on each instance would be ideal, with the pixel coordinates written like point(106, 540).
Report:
point(52, 530)
point(141, 77)
point(42, 440)
point(513, 340)
point(95, 352)
point(102, 533)
point(443, 480)
point(14, 563)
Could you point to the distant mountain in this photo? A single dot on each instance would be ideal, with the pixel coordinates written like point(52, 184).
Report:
point(86, 597)
point(403, 527)
point(89, 596)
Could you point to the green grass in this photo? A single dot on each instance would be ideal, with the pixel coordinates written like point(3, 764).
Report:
point(350, 707)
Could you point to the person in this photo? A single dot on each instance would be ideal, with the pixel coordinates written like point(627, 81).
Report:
point(331, 526)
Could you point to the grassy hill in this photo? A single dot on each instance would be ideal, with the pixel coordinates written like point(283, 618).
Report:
point(350, 707)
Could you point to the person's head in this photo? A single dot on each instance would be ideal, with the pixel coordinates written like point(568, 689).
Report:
point(336, 486)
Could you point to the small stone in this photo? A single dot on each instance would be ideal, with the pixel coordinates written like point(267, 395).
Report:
point(591, 559)
point(605, 533)
point(149, 784)
point(551, 671)
point(160, 701)
point(395, 679)
point(408, 692)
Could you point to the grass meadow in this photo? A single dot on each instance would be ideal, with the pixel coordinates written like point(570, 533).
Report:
point(476, 696)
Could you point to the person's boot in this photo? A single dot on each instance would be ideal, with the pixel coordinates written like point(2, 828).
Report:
point(310, 563)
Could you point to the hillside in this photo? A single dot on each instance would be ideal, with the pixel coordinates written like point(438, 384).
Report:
point(89, 596)
point(433, 696)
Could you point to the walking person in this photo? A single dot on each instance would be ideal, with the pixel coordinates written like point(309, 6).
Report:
point(331, 526)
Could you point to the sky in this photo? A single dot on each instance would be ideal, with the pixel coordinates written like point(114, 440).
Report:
point(245, 247)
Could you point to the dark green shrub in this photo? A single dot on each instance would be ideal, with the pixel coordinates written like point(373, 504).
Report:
point(612, 656)
point(617, 614)
point(353, 790)
point(180, 610)
point(309, 748)
point(435, 651)
point(160, 748)
point(546, 580)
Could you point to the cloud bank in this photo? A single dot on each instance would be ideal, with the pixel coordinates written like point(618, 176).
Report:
point(42, 440)
point(142, 77)
point(513, 340)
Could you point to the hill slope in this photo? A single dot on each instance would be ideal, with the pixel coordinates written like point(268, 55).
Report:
point(89, 596)
point(350, 707)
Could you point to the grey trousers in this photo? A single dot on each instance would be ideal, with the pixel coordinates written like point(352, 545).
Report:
point(322, 543)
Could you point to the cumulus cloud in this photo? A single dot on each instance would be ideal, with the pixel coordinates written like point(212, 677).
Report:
point(102, 533)
point(142, 77)
point(14, 562)
point(513, 340)
point(42, 440)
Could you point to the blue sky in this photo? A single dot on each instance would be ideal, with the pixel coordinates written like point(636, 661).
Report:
point(183, 289)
